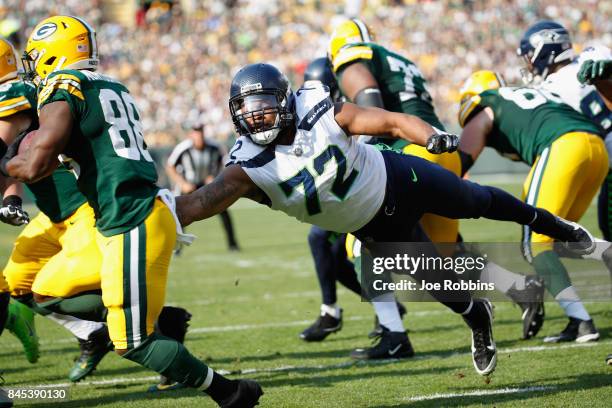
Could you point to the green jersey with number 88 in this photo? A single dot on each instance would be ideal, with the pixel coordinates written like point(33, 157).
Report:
point(526, 120)
point(115, 171)
point(402, 85)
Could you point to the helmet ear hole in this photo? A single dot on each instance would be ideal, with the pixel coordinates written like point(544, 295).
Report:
point(50, 61)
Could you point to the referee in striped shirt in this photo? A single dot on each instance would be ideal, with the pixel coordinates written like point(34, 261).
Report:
point(195, 162)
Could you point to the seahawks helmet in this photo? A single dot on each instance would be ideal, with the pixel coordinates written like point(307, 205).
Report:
point(320, 69)
point(261, 102)
point(544, 44)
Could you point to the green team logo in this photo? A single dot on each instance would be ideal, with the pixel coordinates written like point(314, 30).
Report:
point(44, 31)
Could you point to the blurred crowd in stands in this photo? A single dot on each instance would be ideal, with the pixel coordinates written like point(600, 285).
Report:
point(178, 59)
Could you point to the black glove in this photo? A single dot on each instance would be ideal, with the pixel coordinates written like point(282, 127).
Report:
point(442, 143)
point(594, 70)
point(11, 212)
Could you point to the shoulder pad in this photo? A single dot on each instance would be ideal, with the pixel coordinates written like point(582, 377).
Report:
point(247, 154)
point(70, 81)
point(14, 98)
point(352, 53)
point(468, 108)
point(311, 103)
point(595, 53)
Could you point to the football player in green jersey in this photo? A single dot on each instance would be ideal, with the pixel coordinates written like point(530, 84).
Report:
point(568, 163)
point(52, 258)
point(369, 74)
point(93, 120)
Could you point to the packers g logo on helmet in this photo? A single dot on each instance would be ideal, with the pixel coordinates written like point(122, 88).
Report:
point(44, 31)
point(349, 32)
point(469, 95)
point(60, 42)
point(8, 61)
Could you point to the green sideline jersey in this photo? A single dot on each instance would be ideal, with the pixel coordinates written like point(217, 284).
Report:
point(526, 120)
point(57, 196)
point(115, 170)
point(401, 83)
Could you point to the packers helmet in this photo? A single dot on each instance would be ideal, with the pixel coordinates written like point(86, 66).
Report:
point(60, 42)
point(349, 32)
point(8, 61)
point(469, 95)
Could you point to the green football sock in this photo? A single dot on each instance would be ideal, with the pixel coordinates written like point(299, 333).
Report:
point(548, 266)
point(170, 358)
point(87, 306)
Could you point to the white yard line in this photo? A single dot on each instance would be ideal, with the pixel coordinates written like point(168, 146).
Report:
point(344, 364)
point(479, 393)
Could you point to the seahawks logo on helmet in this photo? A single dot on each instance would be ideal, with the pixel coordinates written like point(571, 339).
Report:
point(44, 31)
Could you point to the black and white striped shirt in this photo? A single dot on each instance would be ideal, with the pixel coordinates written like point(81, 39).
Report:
point(196, 165)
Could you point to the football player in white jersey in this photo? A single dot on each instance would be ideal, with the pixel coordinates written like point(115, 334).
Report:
point(552, 64)
point(330, 256)
point(599, 74)
point(296, 154)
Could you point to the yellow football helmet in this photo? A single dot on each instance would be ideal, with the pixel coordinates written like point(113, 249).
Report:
point(469, 95)
point(8, 61)
point(349, 32)
point(60, 42)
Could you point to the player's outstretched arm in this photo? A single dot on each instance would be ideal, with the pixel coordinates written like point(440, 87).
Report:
point(356, 120)
point(211, 199)
point(40, 160)
point(474, 138)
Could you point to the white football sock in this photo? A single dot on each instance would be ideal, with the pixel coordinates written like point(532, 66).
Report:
point(332, 310)
point(572, 305)
point(385, 307)
point(80, 328)
point(502, 278)
point(599, 250)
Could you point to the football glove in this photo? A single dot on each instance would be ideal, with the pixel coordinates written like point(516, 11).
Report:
point(11, 212)
point(442, 143)
point(595, 70)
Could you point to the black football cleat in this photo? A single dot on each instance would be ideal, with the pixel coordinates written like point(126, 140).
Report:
point(609, 360)
point(93, 351)
point(580, 331)
point(484, 351)
point(325, 325)
point(531, 302)
point(377, 330)
point(390, 345)
point(577, 239)
point(246, 395)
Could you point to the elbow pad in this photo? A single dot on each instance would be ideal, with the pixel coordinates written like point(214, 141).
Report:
point(369, 97)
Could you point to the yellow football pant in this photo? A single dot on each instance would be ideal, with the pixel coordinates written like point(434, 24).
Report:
point(438, 229)
point(563, 180)
point(134, 272)
point(56, 259)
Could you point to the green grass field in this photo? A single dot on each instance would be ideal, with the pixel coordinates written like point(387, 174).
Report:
point(248, 309)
